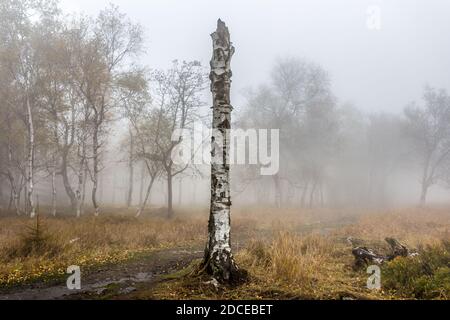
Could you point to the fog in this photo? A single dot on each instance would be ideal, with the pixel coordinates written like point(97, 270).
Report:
point(353, 102)
point(377, 70)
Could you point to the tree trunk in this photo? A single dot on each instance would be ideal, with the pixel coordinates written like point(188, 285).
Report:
point(131, 171)
point(83, 192)
point(95, 160)
point(311, 195)
point(141, 187)
point(304, 193)
point(169, 194)
point(180, 192)
point(54, 186)
point(218, 261)
point(322, 201)
point(11, 199)
point(423, 195)
point(14, 194)
point(277, 184)
point(12, 181)
point(30, 174)
point(66, 182)
point(147, 196)
point(425, 181)
point(81, 181)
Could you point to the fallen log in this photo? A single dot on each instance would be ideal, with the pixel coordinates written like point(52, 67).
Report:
point(365, 256)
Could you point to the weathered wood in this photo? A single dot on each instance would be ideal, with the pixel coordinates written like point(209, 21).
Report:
point(365, 256)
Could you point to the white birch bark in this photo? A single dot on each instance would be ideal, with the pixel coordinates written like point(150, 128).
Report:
point(219, 260)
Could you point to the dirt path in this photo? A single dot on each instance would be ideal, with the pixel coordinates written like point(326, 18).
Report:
point(111, 280)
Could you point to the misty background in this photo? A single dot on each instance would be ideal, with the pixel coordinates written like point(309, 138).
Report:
point(352, 143)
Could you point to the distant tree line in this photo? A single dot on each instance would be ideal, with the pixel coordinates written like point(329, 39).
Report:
point(67, 81)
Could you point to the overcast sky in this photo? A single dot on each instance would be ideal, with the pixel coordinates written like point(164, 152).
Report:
point(377, 70)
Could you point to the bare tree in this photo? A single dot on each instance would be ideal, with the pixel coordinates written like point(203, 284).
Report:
point(133, 96)
point(429, 129)
point(19, 58)
point(147, 136)
point(112, 41)
point(177, 96)
point(298, 101)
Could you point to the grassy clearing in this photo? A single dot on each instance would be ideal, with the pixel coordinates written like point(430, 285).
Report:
point(294, 265)
point(290, 254)
point(86, 242)
point(288, 267)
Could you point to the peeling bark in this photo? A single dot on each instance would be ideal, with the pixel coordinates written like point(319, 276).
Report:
point(218, 260)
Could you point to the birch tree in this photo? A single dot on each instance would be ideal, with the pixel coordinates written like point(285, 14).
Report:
point(18, 58)
point(218, 260)
point(134, 98)
point(109, 45)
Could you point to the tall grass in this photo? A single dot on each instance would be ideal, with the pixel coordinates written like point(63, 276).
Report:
point(29, 251)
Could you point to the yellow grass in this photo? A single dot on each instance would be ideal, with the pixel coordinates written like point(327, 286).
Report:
point(313, 265)
point(88, 241)
point(289, 253)
point(412, 226)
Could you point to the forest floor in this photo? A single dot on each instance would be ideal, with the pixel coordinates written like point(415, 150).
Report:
point(292, 254)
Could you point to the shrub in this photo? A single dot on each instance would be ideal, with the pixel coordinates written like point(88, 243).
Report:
point(426, 276)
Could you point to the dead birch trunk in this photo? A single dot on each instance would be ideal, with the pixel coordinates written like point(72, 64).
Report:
point(218, 260)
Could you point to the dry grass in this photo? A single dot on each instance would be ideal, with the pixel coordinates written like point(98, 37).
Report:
point(299, 263)
point(88, 241)
point(414, 227)
point(289, 253)
point(288, 267)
